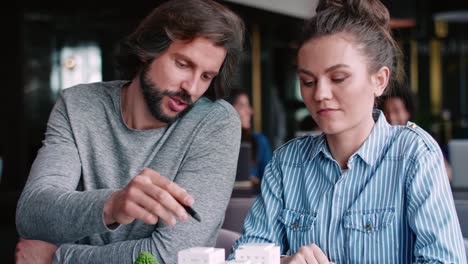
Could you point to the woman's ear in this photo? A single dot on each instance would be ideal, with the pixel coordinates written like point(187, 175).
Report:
point(380, 80)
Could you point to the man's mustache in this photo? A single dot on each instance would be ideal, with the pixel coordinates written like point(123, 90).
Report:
point(182, 95)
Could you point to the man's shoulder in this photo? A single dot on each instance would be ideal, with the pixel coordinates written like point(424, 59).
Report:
point(220, 106)
point(217, 110)
point(208, 117)
point(85, 101)
point(92, 90)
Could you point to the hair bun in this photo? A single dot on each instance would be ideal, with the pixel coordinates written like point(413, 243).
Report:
point(372, 9)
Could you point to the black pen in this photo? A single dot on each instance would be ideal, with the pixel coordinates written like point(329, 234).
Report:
point(192, 212)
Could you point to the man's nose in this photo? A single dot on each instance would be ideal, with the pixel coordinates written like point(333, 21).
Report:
point(189, 85)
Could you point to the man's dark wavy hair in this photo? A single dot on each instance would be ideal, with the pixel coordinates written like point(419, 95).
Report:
point(184, 20)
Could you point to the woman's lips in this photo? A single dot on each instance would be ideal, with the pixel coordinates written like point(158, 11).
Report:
point(326, 111)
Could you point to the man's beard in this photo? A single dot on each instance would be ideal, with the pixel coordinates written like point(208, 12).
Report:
point(154, 95)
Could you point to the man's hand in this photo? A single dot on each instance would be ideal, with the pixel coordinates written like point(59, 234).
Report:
point(34, 251)
point(148, 197)
point(310, 254)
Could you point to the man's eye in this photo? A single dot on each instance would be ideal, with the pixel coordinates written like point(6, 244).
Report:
point(207, 77)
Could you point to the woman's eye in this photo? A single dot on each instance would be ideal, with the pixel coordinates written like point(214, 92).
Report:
point(339, 79)
point(308, 83)
point(180, 64)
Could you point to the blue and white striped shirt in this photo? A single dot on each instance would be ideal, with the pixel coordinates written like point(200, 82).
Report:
point(393, 204)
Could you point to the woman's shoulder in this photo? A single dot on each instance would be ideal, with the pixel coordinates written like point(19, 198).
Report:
point(414, 139)
point(298, 149)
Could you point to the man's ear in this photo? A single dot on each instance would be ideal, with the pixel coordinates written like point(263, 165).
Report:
point(380, 80)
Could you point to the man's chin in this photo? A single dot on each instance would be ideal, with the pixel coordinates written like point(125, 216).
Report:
point(170, 117)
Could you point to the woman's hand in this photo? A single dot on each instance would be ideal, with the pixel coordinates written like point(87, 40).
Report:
point(310, 254)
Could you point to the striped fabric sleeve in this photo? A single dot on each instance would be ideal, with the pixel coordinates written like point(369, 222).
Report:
point(262, 224)
point(431, 212)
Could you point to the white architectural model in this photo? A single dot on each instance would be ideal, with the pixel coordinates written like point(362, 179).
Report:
point(201, 255)
point(257, 253)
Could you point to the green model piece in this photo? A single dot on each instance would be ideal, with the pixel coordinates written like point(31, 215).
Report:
point(146, 258)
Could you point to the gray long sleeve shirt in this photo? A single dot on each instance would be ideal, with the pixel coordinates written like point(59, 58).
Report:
point(89, 152)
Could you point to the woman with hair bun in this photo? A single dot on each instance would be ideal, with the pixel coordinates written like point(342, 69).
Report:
point(363, 191)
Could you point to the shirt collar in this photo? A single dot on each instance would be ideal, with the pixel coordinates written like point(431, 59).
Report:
point(372, 147)
point(320, 145)
point(371, 150)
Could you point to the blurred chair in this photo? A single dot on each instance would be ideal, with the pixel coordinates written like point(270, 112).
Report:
point(466, 248)
point(225, 240)
point(243, 162)
point(236, 212)
point(1, 168)
point(458, 150)
point(462, 211)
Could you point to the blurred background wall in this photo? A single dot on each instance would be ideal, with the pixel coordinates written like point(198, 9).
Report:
point(49, 45)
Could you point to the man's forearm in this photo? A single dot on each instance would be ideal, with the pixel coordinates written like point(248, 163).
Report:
point(113, 253)
point(58, 216)
point(163, 245)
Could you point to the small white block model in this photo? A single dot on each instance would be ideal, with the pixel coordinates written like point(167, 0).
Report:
point(201, 255)
point(259, 253)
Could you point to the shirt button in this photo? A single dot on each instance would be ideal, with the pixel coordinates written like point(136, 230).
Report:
point(368, 227)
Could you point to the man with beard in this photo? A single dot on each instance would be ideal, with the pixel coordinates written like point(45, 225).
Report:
point(121, 159)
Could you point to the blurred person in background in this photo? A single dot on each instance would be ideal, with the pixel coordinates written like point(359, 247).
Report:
point(398, 105)
point(363, 191)
point(260, 146)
